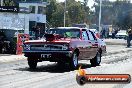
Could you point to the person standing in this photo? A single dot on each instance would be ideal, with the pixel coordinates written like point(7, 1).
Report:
point(113, 33)
point(129, 37)
point(102, 33)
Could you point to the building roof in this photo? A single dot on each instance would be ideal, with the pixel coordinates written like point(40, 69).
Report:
point(34, 1)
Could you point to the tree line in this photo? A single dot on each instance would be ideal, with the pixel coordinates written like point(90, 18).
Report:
point(116, 13)
point(76, 12)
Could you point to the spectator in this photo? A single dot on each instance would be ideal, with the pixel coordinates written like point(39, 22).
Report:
point(113, 33)
point(129, 37)
point(107, 33)
point(103, 33)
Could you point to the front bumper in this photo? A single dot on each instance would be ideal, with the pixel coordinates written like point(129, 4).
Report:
point(54, 56)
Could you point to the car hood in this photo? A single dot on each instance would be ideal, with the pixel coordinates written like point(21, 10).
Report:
point(62, 40)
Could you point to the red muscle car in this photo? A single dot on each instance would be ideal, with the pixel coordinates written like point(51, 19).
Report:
point(64, 45)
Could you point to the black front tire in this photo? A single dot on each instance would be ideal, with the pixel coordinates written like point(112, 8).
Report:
point(32, 63)
point(96, 60)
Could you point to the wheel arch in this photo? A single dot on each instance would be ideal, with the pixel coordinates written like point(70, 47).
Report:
point(77, 51)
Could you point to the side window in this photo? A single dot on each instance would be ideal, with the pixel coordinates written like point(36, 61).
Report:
point(91, 37)
point(84, 35)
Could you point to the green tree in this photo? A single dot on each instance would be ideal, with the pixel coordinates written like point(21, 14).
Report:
point(51, 8)
point(9, 3)
point(57, 16)
point(76, 12)
point(123, 14)
point(126, 21)
point(115, 13)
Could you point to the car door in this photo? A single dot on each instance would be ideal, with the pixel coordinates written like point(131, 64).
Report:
point(86, 45)
point(94, 43)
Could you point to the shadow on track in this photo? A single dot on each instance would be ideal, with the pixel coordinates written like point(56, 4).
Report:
point(53, 68)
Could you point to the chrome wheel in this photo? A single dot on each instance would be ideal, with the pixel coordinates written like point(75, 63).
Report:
point(75, 60)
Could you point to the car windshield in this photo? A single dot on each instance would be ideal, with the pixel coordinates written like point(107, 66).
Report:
point(66, 33)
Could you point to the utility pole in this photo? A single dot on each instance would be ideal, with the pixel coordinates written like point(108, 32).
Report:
point(65, 14)
point(100, 16)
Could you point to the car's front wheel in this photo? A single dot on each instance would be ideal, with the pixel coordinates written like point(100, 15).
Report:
point(96, 60)
point(74, 61)
point(32, 63)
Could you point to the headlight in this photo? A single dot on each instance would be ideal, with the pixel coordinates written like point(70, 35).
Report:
point(65, 47)
point(27, 47)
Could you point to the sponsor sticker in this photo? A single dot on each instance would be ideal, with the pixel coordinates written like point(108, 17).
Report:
point(82, 78)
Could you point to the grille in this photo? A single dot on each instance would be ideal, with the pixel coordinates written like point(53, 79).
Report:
point(47, 47)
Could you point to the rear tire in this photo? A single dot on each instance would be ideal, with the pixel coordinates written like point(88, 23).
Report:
point(74, 61)
point(96, 60)
point(32, 63)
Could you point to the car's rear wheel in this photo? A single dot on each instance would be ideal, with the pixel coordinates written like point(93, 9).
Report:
point(74, 61)
point(32, 63)
point(96, 60)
